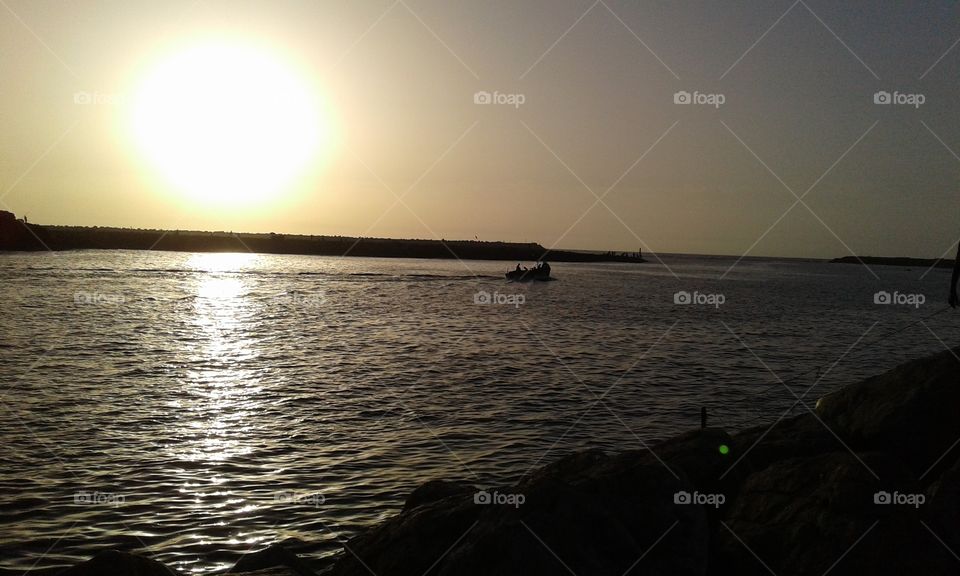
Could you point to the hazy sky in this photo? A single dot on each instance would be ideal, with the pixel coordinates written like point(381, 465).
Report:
point(598, 117)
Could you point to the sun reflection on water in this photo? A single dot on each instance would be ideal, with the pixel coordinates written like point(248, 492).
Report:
point(222, 385)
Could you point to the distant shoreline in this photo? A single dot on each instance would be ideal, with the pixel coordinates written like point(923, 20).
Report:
point(896, 261)
point(21, 236)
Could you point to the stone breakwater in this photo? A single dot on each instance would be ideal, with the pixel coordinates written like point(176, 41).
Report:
point(868, 482)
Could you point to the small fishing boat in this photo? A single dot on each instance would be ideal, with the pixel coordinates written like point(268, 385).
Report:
point(541, 273)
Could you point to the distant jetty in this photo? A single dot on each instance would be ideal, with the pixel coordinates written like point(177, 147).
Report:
point(895, 261)
point(19, 235)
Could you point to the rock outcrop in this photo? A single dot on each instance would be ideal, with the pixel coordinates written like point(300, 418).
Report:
point(116, 563)
point(869, 483)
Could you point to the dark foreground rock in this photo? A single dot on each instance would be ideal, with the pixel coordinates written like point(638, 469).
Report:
point(869, 483)
point(273, 557)
point(911, 412)
point(272, 561)
point(811, 515)
point(116, 563)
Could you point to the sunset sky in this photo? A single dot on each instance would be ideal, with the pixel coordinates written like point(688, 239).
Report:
point(345, 106)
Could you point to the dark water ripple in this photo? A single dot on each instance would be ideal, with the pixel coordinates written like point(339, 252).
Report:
point(200, 406)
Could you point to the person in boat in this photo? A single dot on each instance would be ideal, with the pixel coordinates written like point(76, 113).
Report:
point(953, 280)
point(546, 268)
point(518, 267)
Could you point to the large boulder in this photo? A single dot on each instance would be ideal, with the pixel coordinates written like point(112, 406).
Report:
point(829, 513)
point(794, 437)
point(272, 557)
point(589, 513)
point(117, 563)
point(943, 510)
point(910, 411)
point(435, 490)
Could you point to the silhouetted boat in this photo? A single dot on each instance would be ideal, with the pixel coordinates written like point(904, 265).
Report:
point(528, 275)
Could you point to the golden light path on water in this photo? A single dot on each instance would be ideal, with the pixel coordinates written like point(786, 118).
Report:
point(220, 396)
point(234, 401)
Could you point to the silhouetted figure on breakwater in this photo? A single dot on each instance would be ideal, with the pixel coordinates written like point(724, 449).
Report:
point(953, 280)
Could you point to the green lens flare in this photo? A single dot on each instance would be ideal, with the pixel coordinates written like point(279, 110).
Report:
point(724, 449)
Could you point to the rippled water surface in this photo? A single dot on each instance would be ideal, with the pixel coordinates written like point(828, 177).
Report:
point(198, 406)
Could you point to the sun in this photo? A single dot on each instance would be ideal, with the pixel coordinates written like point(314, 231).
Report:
point(227, 123)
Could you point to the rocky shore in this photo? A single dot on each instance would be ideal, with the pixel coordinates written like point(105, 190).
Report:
point(867, 483)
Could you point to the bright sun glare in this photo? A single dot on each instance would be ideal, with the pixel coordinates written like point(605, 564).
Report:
point(227, 123)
